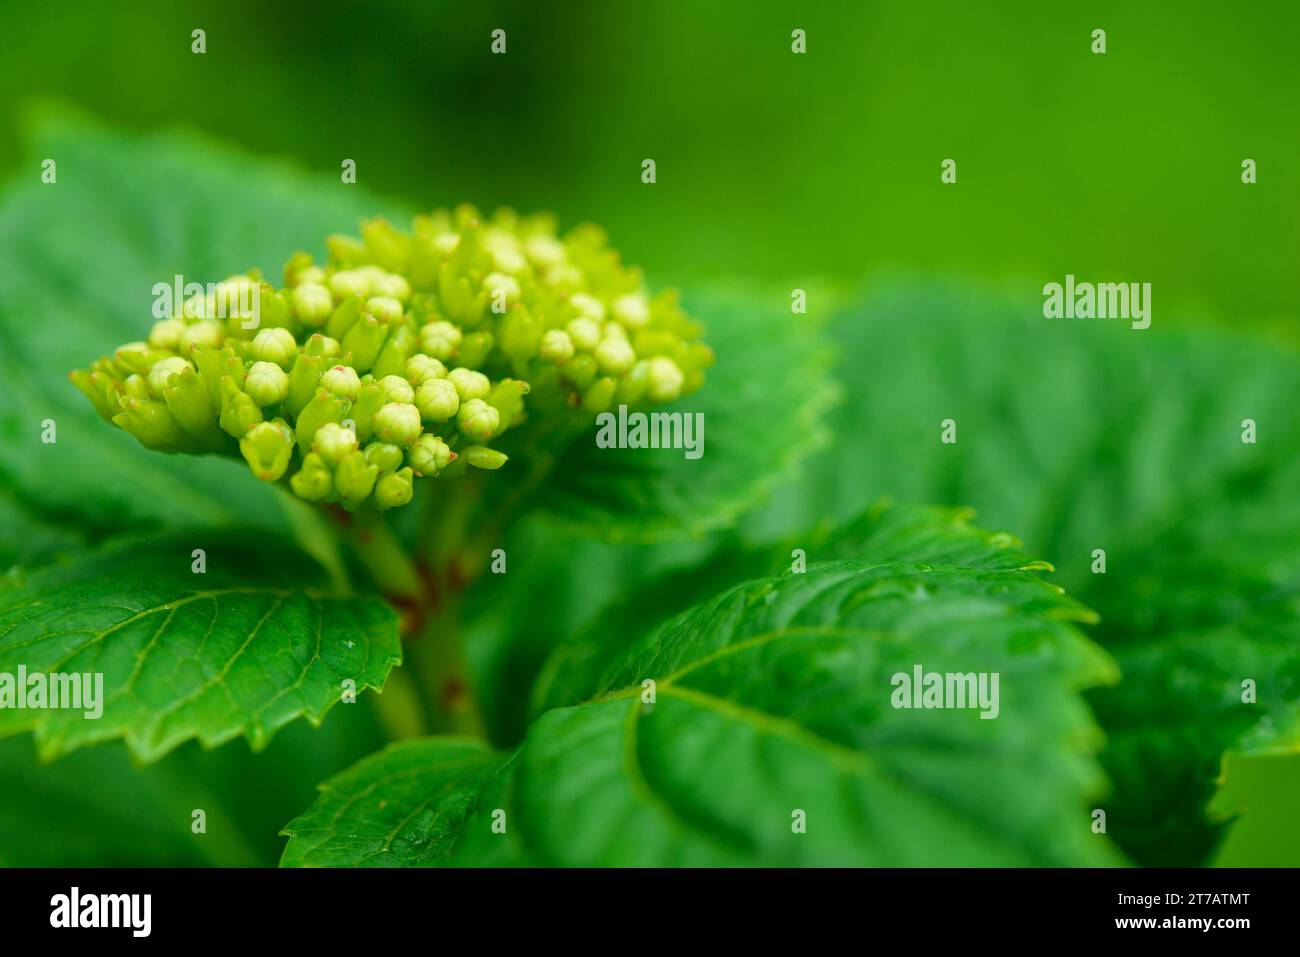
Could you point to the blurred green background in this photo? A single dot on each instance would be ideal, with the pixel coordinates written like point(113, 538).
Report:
point(813, 170)
point(1124, 165)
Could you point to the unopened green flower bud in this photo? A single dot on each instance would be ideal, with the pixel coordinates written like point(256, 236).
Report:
point(430, 455)
point(612, 330)
point(521, 334)
point(201, 334)
point(274, 345)
point(166, 334)
point(398, 423)
point(632, 310)
point(364, 340)
point(391, 285)
point(440, 339)
point(137, 387)
point(437, 399)
point(392, 357)
point(346, 283)
point(557, 347)
point(150, 422)
point(187, 400)
point(266, 383)
point(136, 357)
point(368, 401)
point(599, 396)
point(589, 307)
point(344, 316)
point(387, 457)
point(507, 398)
point(354, 478)
point(312, 304)
point(100, 388)
point(397, 389)
point(313, 481)
point(267, 448)
point(304, 378)
point(614, 356)
point(584, 332)
point(384, 308)
point(633, 385)
point(394, 489)
point(581, 371)
point(482, 457)
point(239, 413)
point(475, 348)
point(469, 384)
point(322, 409)
point(341, 381)
point(420, 368)
point(665, 380)
point(502, 287)
point(164, 369)
point(332, 441)
point(478, 420)
point(329, 348)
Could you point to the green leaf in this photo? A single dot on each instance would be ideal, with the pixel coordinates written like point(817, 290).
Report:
point(1083, 435)
point(774, 697)
point(415, 804)
point(239, 649)
point(762, 406)
point(82, 259)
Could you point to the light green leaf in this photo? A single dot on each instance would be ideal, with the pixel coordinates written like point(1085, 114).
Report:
point(240, 649)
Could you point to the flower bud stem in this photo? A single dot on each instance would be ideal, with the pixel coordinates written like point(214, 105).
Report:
point(430, 612)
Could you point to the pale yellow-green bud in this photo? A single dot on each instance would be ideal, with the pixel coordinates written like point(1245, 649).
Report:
point(420, 368)
point(164, 369)
point(384, 308)
point(312, 304)
point(341, 381)
point(614, 356)
point(478, 420)
point(166, 334)
point(205, 334)
point(332, 441)
point(266, 383)
point(274, 345)
point(393, 286)
point(665, 380)
point(557, 347)
point(440, 339)
point(394, 489)
point(589, 307)
point(632, 309)
point(397, 389)
point(398, 423)
point(346, 283)
point(470, 384)
point(437, 399)
point(430, 455)
point(584, 332)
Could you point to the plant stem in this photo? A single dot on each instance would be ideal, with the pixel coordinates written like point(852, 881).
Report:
point(430, 610)
point(437, 657)
point(382, 554)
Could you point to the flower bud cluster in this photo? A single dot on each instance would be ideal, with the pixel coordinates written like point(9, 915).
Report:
point(405, 355)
